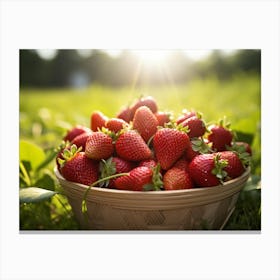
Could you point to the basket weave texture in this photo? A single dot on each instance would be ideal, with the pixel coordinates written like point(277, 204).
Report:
point(192, 209)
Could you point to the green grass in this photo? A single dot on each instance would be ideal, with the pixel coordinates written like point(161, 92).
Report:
point(46, 114)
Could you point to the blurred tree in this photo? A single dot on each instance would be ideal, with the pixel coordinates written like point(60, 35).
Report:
point(225, 65)
point(68, 68)
point(63, 66)
point(34, 71)
point(247, 60)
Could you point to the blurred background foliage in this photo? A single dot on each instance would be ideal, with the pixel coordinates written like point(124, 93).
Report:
point(71, 68)
point(63, 88)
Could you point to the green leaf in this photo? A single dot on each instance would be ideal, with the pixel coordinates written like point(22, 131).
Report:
point(244, 137)
point(31, 152)
point(254, 183)
point(46, 181)
point(48, 158)
point(33, 195)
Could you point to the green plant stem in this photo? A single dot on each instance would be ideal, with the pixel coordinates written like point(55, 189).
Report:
point(25, 177)
point(63, 205)
point(84, 206)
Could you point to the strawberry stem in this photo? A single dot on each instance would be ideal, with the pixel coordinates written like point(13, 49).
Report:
point(156, 184)
point(84, 205)
point(218, 170)
point(150, 140)
point(68, 153)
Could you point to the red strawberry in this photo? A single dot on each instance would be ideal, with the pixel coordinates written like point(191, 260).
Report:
point(60, 150)
point(177, 179)
point(151, 163)
point(245, 147)
point(77, 167)
point(97, 120)
point(235, 167)
point(131, 146)
point(99, 146)
point(196, 126)
point(75, 131)
point(198, 146)
point(169, 145)
point(243, 150)
point(181, 164)
point(145, 122)
point(111, 166)
point(190, 153)
point(125, 114)
point(163, 118)
point(136, 180)
point(80, 140)
point(207, 170)
point(186, 114)
point(122, 165)
point(148, 101)
point(220, 137)
point(116, 124)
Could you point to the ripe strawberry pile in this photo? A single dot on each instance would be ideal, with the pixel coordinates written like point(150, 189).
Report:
point(144, 149)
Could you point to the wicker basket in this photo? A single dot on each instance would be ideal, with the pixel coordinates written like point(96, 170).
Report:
point(193, 209)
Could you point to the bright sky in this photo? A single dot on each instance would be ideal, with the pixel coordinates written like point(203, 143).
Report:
point(160, 55)
point(146, 55)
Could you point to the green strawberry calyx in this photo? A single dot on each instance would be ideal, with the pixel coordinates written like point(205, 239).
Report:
point(64, 144)
point(218, 170)
point(172, 124)
point(224, 123)
point(107, 168)
point(240, 151)
point(68, 153)
point(157, 183)
point(199, 145)
point(110, 133)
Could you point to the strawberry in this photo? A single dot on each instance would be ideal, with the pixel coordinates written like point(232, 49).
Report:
point(169, 145)
point(75, 131)
point(125, 114)
point(181, 163)
point(191, 153)
point(145, 122)
point(77, 167)
point(113, 165)
point(220, 136)
point(243, 150)
point(97, 120)
point(196, 126)
point(163, 118)
point(116, 124)
point(131, 146)
point(136, 180)
point(148, 101)
point(151, 163)
point(235, 167)
point(198, 146)
point(80, 140)
point(177, 179)
point(99, 146)
point(185, 115)
point(207, 170)
point(242, 147)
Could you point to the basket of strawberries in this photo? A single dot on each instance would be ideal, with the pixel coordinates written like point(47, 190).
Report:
point(144, 170)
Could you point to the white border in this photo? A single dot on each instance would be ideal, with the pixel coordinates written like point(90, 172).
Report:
point(152, 25)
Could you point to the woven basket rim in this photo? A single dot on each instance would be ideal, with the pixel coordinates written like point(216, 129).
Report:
point(169, 193)
point(127, 202)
